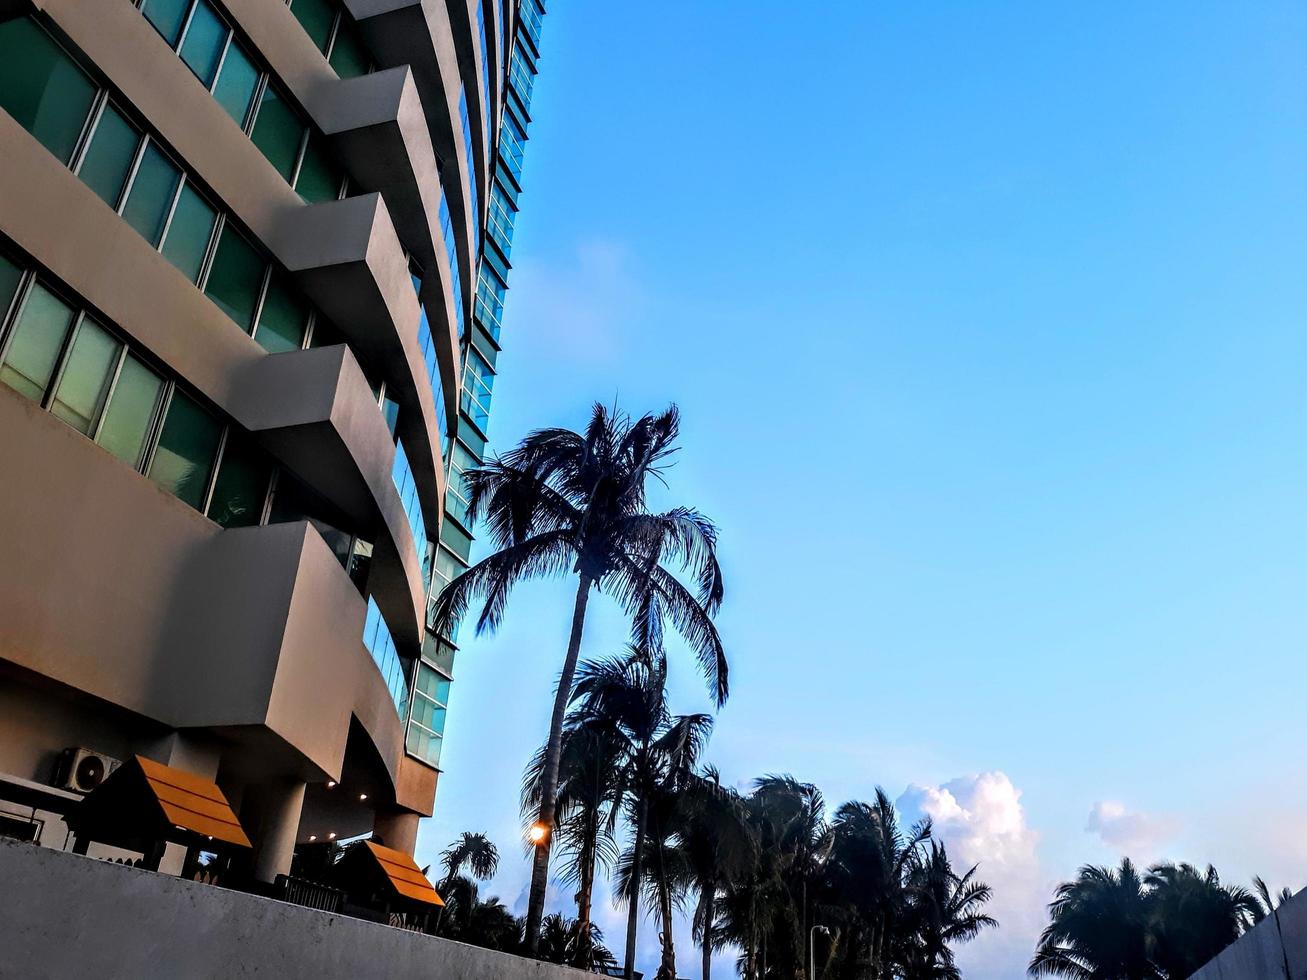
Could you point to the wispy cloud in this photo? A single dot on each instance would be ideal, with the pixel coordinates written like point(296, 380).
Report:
point(1130, 833)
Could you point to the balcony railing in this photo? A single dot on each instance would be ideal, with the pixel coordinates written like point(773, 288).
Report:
point(402, 475)
point(381, 644)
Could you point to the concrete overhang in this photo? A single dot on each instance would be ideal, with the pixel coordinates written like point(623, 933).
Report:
point(333, 435)
point(253, 629)
point(348, 259)
point(417, 33)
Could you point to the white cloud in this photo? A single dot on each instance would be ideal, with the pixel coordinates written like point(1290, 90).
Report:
point(981, 820)
point(1132, 834)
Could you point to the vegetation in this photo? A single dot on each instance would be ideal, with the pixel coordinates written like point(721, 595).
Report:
point(1163, 925)
point(563, 503)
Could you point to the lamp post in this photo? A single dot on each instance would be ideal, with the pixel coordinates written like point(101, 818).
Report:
point(812, 952)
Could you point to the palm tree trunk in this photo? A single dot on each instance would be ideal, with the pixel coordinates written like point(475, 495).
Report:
point(583, 899)
point(549, 783)
point(667, 971)
point(633, 912)
point(706, 915)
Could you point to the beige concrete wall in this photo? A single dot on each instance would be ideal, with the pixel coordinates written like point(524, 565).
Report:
point(63, 915)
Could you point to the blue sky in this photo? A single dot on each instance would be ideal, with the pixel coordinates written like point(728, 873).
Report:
point(987, 324)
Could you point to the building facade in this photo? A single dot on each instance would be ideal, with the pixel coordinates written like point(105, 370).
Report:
point(243, 251)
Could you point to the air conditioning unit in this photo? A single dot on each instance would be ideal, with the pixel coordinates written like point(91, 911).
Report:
point(81, 770)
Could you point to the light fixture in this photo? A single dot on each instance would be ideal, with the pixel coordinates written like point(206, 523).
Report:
point(331, 784)
point(537, 833)
point(312, 838)
point(363, 796)
point(331, 836)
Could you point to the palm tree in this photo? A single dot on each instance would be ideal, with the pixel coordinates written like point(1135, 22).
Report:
point(1193, 916)
point(586, 809)
point(716, 848)
point(1270, 902)
point(1099, 928)
point(473, 851)
point(565, 502)
point(658, 753)
point(563, 941)
point(947, 908)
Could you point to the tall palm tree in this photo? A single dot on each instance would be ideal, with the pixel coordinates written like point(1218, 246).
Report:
point(1193, 916)
point(946, 909)
point(716, 849)
point(586, 810)
point(563, 941)
point(1099, 928)
point(573, 502)
point(658, 755)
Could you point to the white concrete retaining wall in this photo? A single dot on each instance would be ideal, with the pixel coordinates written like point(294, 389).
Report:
point(1275, 950)
point(65, 916)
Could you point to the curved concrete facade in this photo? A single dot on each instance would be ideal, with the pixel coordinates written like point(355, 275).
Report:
point(258, 619)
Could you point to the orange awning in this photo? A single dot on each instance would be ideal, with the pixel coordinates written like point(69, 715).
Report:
point(192, 802)
point(404, 874)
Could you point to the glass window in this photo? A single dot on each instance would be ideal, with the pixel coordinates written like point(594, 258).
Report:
point(88, 371)
point(319, 178)
point(348, 56)
point(283, 319)
point(236, 83)
point(42, 88)
point(130, 414)
point(188, 444)
point(167, 16)
point(150, 196)
point(235, 277)
point(109, 157)
point(9, 276)
point(325, 334)
point(277, 132)
point(242, 483)
point(316, 17)
point(189, 233)
point(205, 38)
point(37, 338)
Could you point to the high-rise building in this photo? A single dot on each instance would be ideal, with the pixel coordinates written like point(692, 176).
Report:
point(247, 329)
point(519, 50)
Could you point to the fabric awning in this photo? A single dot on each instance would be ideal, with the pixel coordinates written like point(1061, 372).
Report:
point(404, 875)
point(193, 803)
point(144, 800)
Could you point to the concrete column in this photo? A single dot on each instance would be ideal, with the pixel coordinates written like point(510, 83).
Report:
point(274, 810)
point(398, 829)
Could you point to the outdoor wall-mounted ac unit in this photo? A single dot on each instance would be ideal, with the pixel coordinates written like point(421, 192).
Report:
point(81, 770)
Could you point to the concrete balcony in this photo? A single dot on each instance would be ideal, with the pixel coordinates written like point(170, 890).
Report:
point(332, 434)
point(348, 260)
point(417, 33)
point(253, 633)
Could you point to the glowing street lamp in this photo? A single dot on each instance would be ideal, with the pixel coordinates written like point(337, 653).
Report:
point(537, 833)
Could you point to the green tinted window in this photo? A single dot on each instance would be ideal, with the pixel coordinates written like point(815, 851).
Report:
point(84, 383)
point(348, 55)
point(325, 334)
point(236, 84)
point(167, 16)
point(109, 158)
point(34, 345)
point(242, 484)
point(42, 88)
point(189, 233)
point(9, 276)
point(205, 38)
point(277, 132)
point(188, 444)
point(235, 277)
point(151, 194)
point(283, 319)
point(319, 178)
point(131, 410)
point(315, 16)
